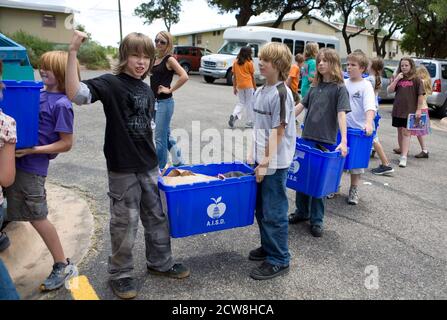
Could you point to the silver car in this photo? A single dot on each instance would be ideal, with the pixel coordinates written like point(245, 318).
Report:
point(387, 76)
point(438, 73)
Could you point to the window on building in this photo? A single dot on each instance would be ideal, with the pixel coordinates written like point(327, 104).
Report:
point(214, 33)
point(299, 47)
point(199, 39)
point(218, 32)
point(289, 43)
point(48, 21)
point(277, 40)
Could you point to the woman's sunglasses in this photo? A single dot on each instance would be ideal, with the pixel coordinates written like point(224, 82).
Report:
point(160, 41)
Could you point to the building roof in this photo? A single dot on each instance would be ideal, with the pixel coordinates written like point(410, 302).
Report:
point(36, 6)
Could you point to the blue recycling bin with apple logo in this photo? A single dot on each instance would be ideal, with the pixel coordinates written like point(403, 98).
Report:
point(210, 206)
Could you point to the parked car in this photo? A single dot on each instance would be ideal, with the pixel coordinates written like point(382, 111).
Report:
point(189, 56)
point(438, 73)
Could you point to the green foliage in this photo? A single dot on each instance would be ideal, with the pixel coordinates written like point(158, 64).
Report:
point(94, 56)
point(168, 10)
point(35, 46)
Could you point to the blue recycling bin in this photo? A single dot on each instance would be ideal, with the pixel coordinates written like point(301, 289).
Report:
point(16, 64)
point(210, 206)
point(316, 169)
point(359, 148)
point(21, 100)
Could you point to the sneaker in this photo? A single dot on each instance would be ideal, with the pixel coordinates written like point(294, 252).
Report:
point(178, 271)
point(249, 125)
point(403, 162)
point(57, 277)
point(232, 121)
point(124, 288)
point(257, 254)
point(316, 231)
point(397, 151)
point(382, 170)
point(295, 218)
point(422, 155)
point(268, 271)
point(4, 242)
point(353, 198)
point(331, 195)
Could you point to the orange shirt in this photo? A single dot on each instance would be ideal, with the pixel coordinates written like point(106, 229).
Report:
point(295, 75)
point(244, 74)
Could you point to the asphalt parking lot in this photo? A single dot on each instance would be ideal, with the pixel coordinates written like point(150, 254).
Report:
point(391, 246)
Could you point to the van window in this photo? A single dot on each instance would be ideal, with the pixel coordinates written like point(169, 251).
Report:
point(444, 71)
point(232, 47)
point(255, 49)
point(330, 45)
point(299, 47)
point(289, 43)
point(431, 68)
point(276, 40)
point(320, 45)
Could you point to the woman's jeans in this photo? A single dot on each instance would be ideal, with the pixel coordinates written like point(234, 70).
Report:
point(163, 140)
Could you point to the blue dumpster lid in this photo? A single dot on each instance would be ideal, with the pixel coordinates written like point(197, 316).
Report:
point(22, 84)
point(6, 43)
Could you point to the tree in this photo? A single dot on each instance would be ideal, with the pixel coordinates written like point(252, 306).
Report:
point(168, 10)
point(347, 8)
point(282, 8)
point(245, 8)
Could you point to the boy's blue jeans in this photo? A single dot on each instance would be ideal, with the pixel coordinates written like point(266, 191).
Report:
point(163, 140)
point(308, 207)
point(271, 214)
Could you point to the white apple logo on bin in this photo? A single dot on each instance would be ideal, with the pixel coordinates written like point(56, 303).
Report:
point(216, 209)
point(295, 167)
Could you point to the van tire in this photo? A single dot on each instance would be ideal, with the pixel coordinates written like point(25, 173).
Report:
point(442, 110)
point(209, 79)
point(229, 77)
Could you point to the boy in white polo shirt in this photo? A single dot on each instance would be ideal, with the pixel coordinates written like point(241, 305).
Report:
point(363, 109)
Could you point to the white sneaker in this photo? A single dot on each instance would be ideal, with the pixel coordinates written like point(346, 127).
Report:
point(403, 162)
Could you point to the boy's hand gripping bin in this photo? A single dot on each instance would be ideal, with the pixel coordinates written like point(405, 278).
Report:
point(21, 100)
point(359, 149)
point(213, 205)
point(316, 169)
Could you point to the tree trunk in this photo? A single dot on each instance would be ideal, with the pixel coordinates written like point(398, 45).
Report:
point(279, 20)
point(348, 44)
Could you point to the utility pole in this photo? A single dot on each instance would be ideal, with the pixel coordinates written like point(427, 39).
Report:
point(121, 24)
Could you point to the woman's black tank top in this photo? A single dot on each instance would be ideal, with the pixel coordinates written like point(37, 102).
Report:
point(161, 76)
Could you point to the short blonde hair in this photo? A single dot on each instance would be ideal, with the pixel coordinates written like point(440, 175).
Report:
point(135, 43)
point(280, 57)
point(170, 43)
point(311, 50)
point(333, 60)
point(360, 58)
point(56, 62)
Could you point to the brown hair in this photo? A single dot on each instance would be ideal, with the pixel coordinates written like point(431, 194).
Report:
point(359, 57)
point(423, 74)
point(299, 58)
point(412, 73)
point(56, 62)
point(135, 43)
point(331, 56)
point(377, 66)
point(280, 57)
point(244, 55)
point(170, 43)
point(311, 50)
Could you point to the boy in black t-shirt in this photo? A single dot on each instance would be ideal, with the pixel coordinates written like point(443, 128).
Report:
point(131, 160)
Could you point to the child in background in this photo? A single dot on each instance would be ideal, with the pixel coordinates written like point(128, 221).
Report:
point(132, 162)
point(409, 98)
point(27, 196)
point(274, 137)
point(423, 74)
point(309, 68)
point(327, 104)
point(294, 77)
point(375, 72)
point(363, 106)
point(244, 86)
point(7, 175)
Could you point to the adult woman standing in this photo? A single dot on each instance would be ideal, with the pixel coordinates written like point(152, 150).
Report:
point(162, 73)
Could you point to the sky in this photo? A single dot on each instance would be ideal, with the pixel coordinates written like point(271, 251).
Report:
point(100, 17)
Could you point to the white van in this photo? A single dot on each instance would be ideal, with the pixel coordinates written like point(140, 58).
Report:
point(218, 66)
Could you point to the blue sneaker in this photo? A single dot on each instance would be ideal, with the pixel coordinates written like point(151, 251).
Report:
point(57, 277)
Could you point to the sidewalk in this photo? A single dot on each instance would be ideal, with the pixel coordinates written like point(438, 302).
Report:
point(28, 259)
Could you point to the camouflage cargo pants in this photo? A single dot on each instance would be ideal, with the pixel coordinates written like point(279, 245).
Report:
point(134, 196)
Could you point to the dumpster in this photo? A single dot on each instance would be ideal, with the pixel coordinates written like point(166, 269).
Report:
point(16, 64)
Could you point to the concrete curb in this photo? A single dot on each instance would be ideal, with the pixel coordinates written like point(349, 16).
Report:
point(28, 260)
point(443, 123)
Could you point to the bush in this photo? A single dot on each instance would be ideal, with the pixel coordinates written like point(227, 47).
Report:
point(94, 56)
point(34, 45)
